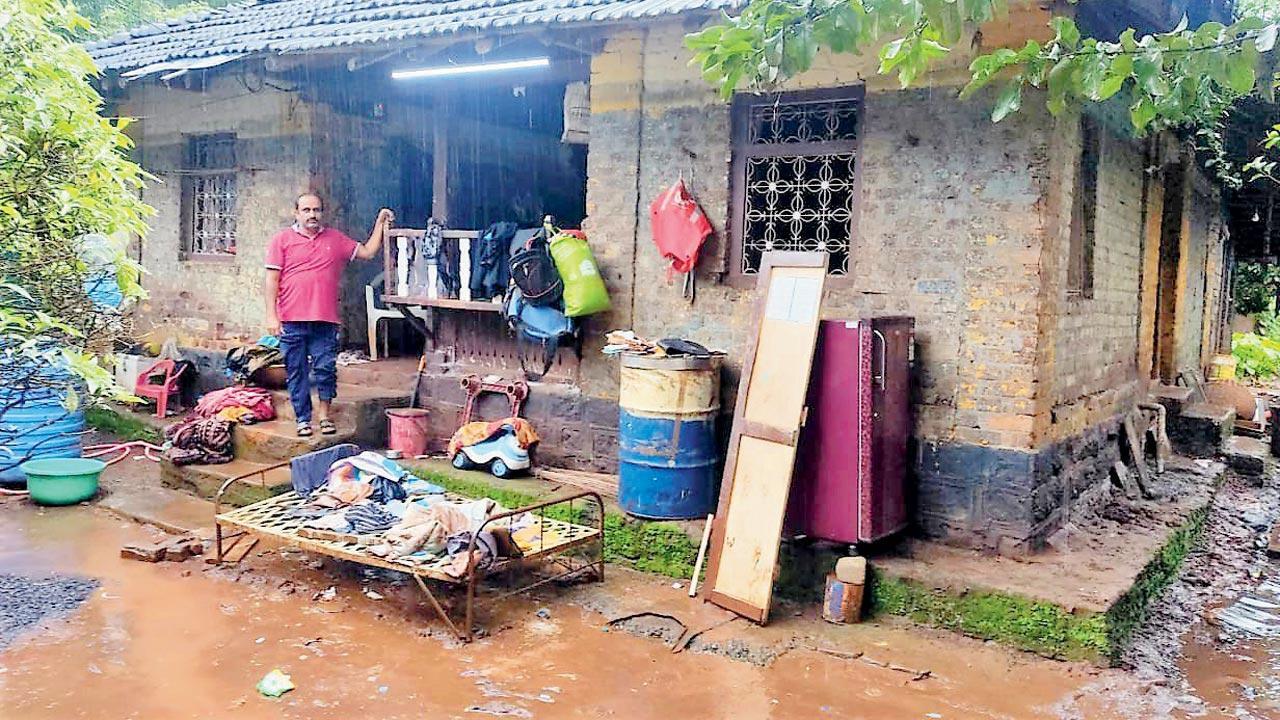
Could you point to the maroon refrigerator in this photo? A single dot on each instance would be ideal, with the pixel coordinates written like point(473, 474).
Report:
point(851, 465)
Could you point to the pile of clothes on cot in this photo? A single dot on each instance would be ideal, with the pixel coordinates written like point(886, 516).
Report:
point(204, 437)
point(373, 501)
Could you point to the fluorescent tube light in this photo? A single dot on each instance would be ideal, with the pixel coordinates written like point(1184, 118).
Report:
point(445, 70)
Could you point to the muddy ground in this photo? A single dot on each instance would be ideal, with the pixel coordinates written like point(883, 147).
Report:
point(179, 640)
point(1219, 670)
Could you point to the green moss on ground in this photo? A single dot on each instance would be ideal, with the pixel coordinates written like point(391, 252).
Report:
point(655, 547)
point(1038, 626)
point(1128, 613)
point(120, 425)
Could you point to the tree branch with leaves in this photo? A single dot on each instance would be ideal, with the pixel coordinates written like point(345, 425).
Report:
point(65, 174)
point(1185, 77)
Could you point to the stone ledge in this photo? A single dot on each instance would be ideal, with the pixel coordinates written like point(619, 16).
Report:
point(1081, 603)
point(204, 481)
point(1201, 430)
point(1173, 397)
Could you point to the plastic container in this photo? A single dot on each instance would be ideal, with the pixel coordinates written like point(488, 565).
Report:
point(668, 456)
point(62, 481)
point(407, 430)
point(36, 422)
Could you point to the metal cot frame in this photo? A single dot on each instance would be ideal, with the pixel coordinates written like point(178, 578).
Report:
point(270, 518)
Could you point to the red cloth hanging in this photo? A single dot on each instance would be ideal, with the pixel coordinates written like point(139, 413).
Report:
point(679, 227)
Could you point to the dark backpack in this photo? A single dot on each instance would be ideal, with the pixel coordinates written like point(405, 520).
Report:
point(544, 325)
point(534, 272)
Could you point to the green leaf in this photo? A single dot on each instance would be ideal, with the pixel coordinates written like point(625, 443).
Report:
point(1009, 102)
point(1142, 113)
point(1147, 70)
point(1066, 31)
point(1240, 74)
point(1059, 86)
point(1266, 40)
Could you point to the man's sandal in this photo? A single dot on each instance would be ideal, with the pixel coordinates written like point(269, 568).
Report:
point(304, 429)
point(327, 427)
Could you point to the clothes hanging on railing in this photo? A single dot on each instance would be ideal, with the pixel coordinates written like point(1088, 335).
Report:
point(447, 260)
point(490, 271)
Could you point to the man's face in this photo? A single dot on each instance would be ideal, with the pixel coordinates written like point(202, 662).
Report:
point(307, 213)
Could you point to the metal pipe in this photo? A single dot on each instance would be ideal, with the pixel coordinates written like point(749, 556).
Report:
point(1162, 437)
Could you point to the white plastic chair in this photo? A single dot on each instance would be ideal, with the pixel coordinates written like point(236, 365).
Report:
point(373, 314)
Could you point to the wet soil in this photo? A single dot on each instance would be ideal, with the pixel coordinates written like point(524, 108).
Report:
point(1209, 666)
point(191, 640)
point(26, 601)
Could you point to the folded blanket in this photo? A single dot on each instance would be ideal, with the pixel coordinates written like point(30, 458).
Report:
point(476, 432)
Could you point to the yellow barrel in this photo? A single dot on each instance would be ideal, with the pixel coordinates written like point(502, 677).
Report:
point(1222, 367)
point(681, 386)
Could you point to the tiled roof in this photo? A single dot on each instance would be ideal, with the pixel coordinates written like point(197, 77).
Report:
point(291, 26)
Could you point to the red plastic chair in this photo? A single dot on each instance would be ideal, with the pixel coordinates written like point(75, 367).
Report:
point(162, 390)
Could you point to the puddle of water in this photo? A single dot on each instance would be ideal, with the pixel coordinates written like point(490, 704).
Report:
point(168, 640)
point(1239, 673)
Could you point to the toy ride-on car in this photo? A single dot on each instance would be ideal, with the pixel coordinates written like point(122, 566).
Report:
point(500, 454)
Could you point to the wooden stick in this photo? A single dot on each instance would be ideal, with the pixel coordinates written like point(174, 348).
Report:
point(702, 555)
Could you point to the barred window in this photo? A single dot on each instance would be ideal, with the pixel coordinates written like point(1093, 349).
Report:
point(209, 196)
point(796, 175)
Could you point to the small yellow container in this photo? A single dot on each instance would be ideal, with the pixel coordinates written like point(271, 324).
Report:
point(1222, 367)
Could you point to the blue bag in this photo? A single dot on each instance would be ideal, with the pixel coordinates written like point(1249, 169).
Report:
point(545, 325)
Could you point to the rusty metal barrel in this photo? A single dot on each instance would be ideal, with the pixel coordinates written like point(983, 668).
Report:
point(667, 447)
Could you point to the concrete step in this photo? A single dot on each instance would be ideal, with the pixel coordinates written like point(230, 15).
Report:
point(1173, 397)
point(361, 408)
point(1202, 430)
point(1248, 456)
point(271, 442)
point(391, 374)
point(204, 480)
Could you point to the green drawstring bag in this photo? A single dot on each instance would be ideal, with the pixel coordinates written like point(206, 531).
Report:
point(584, 291)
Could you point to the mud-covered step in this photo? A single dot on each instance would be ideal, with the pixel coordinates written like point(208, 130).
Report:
point(1202, 430)
point(1248, 456)
point(271, 442)
point(1083, 602)
point(204, 480)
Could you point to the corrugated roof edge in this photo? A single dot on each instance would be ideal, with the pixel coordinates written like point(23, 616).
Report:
point(237, 26)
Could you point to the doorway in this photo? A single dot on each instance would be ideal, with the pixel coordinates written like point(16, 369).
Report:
point(1168, 257)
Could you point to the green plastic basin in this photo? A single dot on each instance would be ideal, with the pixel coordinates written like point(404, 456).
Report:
point(62, 481)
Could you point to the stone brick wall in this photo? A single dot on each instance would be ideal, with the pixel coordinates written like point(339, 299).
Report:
point(968, 221)
point(1094, 339)
point(220, 298)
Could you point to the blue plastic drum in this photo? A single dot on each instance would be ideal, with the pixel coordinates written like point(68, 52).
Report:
point(669, 465)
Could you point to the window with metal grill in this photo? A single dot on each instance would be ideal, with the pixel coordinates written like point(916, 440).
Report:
point(1084, 211)
point(209, 196)
point(795, 175)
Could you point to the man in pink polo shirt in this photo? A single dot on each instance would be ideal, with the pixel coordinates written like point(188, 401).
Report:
point(304, 270)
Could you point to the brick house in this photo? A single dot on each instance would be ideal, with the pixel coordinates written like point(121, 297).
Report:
point(1057, 268)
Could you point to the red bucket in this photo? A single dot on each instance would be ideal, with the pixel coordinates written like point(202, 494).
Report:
point(407, 429)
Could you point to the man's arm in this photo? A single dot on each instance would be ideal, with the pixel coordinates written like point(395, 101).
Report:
point(373, 246)
point(272, 293)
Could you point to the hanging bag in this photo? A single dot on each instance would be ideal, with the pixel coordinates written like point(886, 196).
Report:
point(543, 325)
point(534, 272)
point(584, 290)
point(679, 227)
